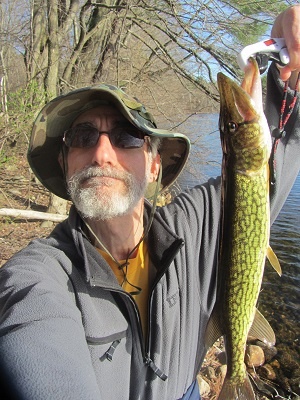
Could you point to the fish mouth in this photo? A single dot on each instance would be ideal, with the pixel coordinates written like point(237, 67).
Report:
point(241, 103)
point(236, 104)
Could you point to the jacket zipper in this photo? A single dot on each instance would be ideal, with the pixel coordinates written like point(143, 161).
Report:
point(148, 360)
point(145, 345)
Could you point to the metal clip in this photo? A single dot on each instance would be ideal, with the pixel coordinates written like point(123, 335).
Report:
point(270, 49)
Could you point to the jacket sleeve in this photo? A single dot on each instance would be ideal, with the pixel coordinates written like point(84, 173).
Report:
point(287, 155)
point(42, 340)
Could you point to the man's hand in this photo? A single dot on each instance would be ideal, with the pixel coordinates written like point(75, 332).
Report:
point(287, 26)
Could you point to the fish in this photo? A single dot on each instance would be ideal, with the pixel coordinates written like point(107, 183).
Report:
point(245, 227)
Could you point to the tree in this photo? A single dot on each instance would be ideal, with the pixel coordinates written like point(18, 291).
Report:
point(149, 48)
point(75, 42)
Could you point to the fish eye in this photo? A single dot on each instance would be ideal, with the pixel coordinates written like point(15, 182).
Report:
point(232, 126)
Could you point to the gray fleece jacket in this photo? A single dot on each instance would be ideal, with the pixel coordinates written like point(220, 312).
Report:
point(69, 331)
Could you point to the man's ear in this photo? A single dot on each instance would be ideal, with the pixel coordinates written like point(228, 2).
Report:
point(155, 168)
point(61, 160)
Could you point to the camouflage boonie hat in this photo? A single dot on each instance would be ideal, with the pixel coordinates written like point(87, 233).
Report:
point(58, 115)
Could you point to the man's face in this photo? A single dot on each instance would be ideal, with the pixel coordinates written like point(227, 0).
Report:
point(105, 181)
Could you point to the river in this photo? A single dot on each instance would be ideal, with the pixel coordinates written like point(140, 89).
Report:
point(279, 300)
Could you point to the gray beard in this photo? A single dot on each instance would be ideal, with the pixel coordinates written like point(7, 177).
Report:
point(97, 204)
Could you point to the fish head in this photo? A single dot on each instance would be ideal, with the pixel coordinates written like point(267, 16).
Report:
point(244, 131)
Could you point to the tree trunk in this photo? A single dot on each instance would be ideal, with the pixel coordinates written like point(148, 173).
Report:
point(53, 50)
point(57, 205)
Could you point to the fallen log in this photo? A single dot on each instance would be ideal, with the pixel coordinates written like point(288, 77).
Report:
point(30, 214)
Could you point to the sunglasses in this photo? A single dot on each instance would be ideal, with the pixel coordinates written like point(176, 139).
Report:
point(125, 136)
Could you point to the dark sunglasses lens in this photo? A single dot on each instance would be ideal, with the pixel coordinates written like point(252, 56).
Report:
point(126, 137)
point(81, 137)
point(123, 137)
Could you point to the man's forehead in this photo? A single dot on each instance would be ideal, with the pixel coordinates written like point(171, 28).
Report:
point(105, 111)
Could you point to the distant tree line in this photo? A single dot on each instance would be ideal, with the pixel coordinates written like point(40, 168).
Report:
point(166, 52)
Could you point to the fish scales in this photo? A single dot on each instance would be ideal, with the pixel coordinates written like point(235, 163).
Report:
point(244, 259)
point(245, 227)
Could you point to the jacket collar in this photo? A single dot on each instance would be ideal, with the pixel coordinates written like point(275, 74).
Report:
point(162, 243)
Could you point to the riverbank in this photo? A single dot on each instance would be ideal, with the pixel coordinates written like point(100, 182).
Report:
point(272, 376)
point(18, 191)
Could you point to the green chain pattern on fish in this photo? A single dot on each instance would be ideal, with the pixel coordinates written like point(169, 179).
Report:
point(249, 233)
point(246, 145)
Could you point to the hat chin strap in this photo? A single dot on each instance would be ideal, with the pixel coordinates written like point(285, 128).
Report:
point(154, 203)
point(146, 231)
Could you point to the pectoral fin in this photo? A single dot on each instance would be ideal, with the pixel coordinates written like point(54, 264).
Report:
point(271, 256)
point(262, 330)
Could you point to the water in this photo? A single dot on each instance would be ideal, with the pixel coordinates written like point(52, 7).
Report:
point(280, 296)
point(206, 155)
point(279, 300)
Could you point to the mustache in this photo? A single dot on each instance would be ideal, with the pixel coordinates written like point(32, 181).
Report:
point(97, 172)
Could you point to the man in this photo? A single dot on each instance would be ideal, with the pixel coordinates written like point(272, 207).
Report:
point(114, 304)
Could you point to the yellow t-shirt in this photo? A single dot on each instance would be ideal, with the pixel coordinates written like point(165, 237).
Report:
point(138, 275)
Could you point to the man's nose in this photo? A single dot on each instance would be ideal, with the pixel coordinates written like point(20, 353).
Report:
point(103, 151)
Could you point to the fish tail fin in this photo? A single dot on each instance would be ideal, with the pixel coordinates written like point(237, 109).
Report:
point(230, 391)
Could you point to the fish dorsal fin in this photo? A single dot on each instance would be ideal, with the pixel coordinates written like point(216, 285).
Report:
point(271, 256)
point(262, 330)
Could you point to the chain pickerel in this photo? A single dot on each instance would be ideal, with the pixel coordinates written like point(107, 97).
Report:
point(245, 227)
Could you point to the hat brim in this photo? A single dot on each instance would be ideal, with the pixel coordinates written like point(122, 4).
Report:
point(58, 115)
